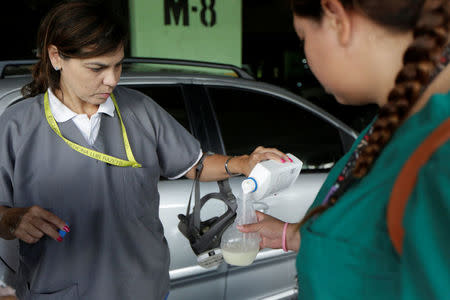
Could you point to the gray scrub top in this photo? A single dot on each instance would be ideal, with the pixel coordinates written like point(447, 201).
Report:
point(116, 247)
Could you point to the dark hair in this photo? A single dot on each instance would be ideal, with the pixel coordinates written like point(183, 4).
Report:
point(78, 29)
point(429, 20)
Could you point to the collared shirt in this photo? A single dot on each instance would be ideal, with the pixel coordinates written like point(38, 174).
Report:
point(89, 127)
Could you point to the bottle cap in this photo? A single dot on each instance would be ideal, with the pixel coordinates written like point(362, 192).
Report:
point(249, 185)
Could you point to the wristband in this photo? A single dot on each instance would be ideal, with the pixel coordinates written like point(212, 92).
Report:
point(283, 239)
point(226, 168)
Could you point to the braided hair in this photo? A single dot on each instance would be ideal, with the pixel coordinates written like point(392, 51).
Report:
point(429, 20)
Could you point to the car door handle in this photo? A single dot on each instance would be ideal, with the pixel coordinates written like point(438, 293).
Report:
point(191, 271)
point(272, 254)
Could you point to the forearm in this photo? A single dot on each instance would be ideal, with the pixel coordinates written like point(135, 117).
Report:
point(214, 167)
point(6, 224)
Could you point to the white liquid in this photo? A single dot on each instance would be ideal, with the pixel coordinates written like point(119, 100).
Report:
point(238, 257)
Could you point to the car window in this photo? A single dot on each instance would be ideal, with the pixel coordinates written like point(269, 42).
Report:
point(248, 119)
point(170, 98)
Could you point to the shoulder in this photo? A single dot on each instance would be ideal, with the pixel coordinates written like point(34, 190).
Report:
point(134, 99)
point(124, 92)
point(426, 222)
point(138, 104)
point(439, 106)
point(437, 169)
point(442, 98)
point(20, 120)
point(430, 194)
point(27, 110)
point(433, 177)
point(131, 97)
point(437, 118)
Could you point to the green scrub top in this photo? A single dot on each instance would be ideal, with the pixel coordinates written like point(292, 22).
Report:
point(346, 252)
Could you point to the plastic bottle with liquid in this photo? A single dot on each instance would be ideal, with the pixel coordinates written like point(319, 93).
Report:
point(269, 177)
point(266, 178)
point(238, 248)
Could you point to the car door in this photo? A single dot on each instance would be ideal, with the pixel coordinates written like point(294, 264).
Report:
point(188, 279)
point(251, 117)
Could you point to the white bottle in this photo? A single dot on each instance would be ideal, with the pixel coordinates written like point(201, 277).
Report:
point(269, 177)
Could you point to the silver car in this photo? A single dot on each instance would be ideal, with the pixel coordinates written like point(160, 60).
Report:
point(230, 113)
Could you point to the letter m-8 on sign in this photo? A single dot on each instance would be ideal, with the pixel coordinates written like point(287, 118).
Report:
point(205, 30)
point(175, 9)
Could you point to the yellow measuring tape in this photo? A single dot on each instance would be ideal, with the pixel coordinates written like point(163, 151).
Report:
point(131, 162)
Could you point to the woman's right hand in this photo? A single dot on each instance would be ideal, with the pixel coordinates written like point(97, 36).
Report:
point(246, 163)
point(271, 231)
point(30, 224)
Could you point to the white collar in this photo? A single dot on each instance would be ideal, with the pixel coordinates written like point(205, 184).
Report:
point(62, 113)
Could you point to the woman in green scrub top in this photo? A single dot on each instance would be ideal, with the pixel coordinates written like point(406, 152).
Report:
point(394, 54)
point(80, 160)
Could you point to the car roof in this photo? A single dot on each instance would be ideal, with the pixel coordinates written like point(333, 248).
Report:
point(140, 71)
point(137, 65)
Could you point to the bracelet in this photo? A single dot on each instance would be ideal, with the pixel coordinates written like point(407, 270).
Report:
point(226, 168)
point(283, 239)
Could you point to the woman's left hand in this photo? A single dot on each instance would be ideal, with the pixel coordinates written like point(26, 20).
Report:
point(271, 231)
point(246, 163)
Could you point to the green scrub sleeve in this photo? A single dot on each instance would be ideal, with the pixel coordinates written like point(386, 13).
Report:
point(425, 263)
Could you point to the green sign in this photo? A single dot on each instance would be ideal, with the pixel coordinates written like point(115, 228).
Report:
point(205, 30)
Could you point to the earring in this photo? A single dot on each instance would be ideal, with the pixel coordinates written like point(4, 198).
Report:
point(56, 68)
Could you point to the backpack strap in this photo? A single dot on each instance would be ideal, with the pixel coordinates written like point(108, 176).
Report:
point(406, 181)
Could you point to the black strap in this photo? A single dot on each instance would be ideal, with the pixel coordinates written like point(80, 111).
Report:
point(196, 189)
point(224, 190)
point(206, 235)
point(198, 172)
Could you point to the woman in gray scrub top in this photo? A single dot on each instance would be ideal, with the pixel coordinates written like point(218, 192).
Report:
point(62, 172)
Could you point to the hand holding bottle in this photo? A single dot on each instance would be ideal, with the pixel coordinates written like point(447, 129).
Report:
point(271, 232)
point(245, 163)
point(240, 249)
